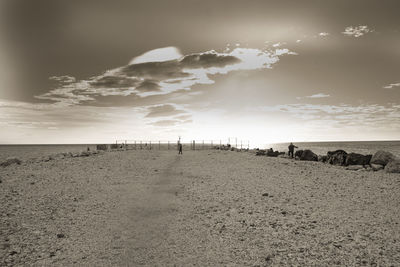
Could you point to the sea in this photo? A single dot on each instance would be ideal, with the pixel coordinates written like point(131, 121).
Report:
point(27, 152)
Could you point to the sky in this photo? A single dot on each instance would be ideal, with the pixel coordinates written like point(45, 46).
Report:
point(264, 71)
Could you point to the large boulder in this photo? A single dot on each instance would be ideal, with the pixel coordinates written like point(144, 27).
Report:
point(393, 166)
point(322, 158)
point(298, 153)
point(308, 155)
point(102, 147)
point(272, 153)
point(376, 167)
point(260, 152)
point(10, 161)
point(337, 157)
point(357, 159)
point(382, 157)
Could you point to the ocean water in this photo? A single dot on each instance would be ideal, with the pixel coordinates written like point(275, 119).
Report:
point(25, 152)
point(362, 147)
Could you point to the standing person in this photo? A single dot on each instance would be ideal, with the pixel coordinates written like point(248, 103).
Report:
point(291, 149)
point(180, 148)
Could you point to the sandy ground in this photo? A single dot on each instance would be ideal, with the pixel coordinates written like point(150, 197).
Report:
point(205, 208)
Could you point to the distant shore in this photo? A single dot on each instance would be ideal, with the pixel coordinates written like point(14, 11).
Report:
point(207, 207)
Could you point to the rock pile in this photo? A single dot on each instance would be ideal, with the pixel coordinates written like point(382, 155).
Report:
point(10, 161)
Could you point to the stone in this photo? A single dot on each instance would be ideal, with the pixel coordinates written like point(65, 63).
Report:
point(260, 153)
point(102, 147)
point(382, 157)
point(322, 158)
point(10, 161)
point(355, 167)
point(298, 153)
point(265, 194)
point(272, 153)
point(60, 235)
point(393, 166)
point(85, 154)
point(337, 157)
point(309, 155)
point(376, 167)
point(357, 159)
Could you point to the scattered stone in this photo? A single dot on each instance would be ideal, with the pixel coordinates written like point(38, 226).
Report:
point(382, 157)
point(393, 166)
point(265, 194)
point(337, 157)
point(308, 155)
point(355, 167)
point(85, 154)
point(60, 235)
point(10, 161)
point(376, 167)
point(260, 153)
point(357, 159)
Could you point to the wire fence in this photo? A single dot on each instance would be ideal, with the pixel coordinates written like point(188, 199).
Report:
point(174, 145)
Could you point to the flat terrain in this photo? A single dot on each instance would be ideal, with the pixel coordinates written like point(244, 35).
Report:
point(205, 208)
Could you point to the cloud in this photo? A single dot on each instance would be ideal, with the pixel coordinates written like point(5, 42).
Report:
point(319, 95)
point(160, 71)
point(357, 31)
point(163, 110)
point(158, 55)
point(392, 85)
point(323, 34)
point(364, 115)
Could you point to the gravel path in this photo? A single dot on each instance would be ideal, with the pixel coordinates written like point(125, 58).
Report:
point(205, 208)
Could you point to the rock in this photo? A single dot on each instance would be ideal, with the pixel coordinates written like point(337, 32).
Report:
point(260, 153)
point(60, 235)
point(393, 166)
point(265, 194)
point(382, 157)
point(337, 157)
point(272, 153)
point(298, 153)
point(376, 167)
point(308, 155)
point(102, 147)
point(357, 159)
point(10, 161)
point(322, 158)
point(355, 167)
point(84, 154)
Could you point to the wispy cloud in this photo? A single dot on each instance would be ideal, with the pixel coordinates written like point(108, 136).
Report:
point(357, 31)
point(161, 71)
point(392, 85)
point(319, 95)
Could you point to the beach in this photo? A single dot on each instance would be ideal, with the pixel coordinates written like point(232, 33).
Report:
point(204, 208)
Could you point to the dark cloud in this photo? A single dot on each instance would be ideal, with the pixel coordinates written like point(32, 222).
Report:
point(114, 82)
point(148, 86)
point(163, 110)
point(207, 60)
